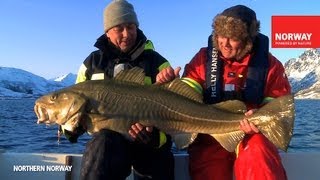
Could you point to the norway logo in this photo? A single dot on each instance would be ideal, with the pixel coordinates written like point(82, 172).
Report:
point(295, 32)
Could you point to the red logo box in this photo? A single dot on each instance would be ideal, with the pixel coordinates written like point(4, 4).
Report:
point(295, 31)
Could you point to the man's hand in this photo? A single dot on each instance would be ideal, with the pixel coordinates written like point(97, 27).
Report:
point(167, 74)
point(141, 133)
point(248, 127)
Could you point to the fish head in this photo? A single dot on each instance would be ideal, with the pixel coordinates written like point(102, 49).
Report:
point(61, 107)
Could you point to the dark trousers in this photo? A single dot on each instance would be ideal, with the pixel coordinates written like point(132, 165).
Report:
point(109, 156)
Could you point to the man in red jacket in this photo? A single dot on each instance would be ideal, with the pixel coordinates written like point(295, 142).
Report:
point(236, 65)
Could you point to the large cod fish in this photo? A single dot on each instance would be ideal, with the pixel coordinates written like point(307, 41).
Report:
point(174, 108)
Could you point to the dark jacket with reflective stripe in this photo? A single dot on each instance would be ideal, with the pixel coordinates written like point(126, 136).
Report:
point(100, 64)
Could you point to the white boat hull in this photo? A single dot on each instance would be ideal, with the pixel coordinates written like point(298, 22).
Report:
point(30, 166)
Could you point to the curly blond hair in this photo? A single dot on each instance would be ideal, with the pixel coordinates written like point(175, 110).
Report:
point(238, 23)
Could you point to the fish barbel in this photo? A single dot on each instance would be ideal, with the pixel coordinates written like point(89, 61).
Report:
point(174, 108)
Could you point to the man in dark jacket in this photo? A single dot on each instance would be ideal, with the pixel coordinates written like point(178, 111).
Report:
point(108, 154)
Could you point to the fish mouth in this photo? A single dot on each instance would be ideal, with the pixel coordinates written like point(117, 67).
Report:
point(42, 114)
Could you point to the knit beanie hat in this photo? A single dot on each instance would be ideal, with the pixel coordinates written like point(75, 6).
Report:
point(237, 22)
point(118, 12)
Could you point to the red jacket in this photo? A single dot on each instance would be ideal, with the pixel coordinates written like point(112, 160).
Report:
point(207, 158)
point(277, 83)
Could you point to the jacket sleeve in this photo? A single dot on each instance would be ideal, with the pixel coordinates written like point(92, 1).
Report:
point(194, 71)
point(161, 62)
point(155, 64)
point(81, 76)
point(158, 63)
point(82, 72)
point(277, 83)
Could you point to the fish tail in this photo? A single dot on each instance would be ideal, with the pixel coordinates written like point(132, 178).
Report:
point(279, 128)
point(274, 120)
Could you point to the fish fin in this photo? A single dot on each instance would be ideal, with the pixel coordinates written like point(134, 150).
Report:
point(233, 106)
point(182, 141)
point(229, 141)
point(280, 130)
point(179, 87)
point(134, 75)
point(137, 75)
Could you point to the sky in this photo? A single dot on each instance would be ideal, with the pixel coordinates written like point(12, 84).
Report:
point(52, 38)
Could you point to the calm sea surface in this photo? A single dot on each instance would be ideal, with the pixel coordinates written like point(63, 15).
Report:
point(19, 131)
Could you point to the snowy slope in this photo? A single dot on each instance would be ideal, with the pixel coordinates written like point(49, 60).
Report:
point(304, 74)
point(18, 83)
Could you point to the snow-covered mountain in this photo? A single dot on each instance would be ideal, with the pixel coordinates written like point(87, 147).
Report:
point(18, 83)
point(304, 74)
point(66, 80)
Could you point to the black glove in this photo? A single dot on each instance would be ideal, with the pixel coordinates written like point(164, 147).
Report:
point(72, 136)
point(149, 138)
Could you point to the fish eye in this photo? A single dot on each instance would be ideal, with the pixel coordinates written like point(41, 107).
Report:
point(53, 97)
